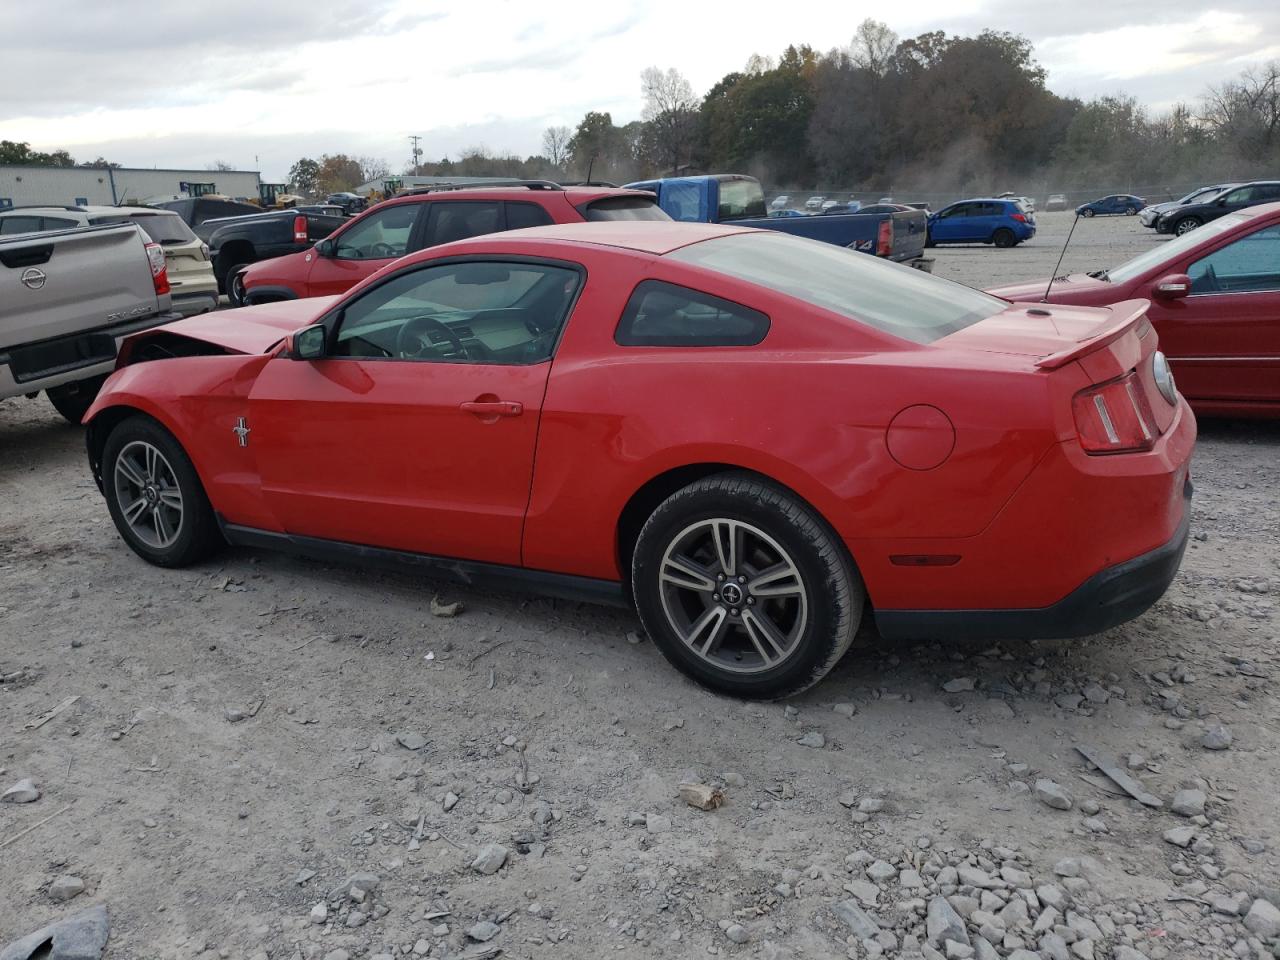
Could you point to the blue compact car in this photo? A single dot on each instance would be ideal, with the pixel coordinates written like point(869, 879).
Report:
point(1005, 223)
point(1110, 206)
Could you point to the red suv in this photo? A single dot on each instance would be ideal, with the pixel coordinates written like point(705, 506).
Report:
point(429, 218)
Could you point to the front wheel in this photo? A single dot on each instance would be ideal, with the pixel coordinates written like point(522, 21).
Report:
point(1086, 212)
point(744, 588)
point(1004, 238)
point(235, 287)
point(73, 400)
point(155, 496)
point(1185, 225)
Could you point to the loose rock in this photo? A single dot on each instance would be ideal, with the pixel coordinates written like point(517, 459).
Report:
point(1051, 794)
point(490, 859)
point(1216, 737)
point(24, 791)
point(1188, 803)
point(66, 888)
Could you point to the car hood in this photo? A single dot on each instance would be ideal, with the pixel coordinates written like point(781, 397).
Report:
point(251, 329)
point(1065, 289)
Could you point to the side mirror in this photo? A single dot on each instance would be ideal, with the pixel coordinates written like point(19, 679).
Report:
point(1222, 201)
point(324, 248)
point(309, 343)
point(1175, 286)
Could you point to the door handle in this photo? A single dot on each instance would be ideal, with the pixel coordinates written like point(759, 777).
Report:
point(492, 408)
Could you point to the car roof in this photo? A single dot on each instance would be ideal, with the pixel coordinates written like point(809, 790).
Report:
point(657, 237)
point(575, 195)
point(95, 210)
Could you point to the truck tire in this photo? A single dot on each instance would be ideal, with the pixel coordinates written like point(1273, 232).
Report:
point(73, 400)
point(744, 588)
point(928, 238)
point(1004, 238)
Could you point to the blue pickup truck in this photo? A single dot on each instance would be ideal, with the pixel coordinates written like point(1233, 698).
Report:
point(737, 199)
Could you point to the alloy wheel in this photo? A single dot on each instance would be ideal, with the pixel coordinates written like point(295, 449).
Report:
point(733, 595)
point(147, 492)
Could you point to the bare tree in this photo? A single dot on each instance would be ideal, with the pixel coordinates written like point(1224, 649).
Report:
point(373, 168)
point(671, 111)
point(555, 145)
point(873, 47)
point(220, 165)
point(1246, 112)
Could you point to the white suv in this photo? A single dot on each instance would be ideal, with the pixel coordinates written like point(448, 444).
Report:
point(190, 270)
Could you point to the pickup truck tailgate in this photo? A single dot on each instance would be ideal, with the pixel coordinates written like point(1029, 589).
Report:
point(909, 230)
point(59, 283)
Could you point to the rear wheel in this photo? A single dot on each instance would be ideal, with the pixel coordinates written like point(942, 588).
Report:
point(73, 400)
point(1004, 238)
point(224, 277)
point(155, 496)
point(744, 588)
point(1185, 225)
point(928, 238)
point(1130, 210)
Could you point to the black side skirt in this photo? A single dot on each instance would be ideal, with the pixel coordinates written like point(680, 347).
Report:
point(467, 572)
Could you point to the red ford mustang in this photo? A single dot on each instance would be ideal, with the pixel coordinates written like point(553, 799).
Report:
point(1215, 296)
point(749, 436)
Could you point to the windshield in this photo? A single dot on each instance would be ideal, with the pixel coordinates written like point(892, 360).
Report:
point(892, 298)
point(624, 208)
point(164, 229)
point(1174, 248)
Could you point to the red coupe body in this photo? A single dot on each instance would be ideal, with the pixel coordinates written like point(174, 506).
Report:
point(402, 225)
point(963, 467)
point(1215, 302)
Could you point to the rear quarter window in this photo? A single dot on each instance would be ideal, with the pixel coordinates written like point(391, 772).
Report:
point(622, 208)
point(667, 315)
point(521, 215)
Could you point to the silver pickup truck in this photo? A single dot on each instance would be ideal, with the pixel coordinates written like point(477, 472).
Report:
point(67, 299)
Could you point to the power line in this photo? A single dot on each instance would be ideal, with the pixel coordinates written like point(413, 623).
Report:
point(417, 152)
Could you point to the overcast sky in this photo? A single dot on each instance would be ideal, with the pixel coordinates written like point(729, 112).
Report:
point(259, 83)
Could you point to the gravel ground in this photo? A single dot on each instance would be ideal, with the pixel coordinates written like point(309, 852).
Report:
point(270, 757)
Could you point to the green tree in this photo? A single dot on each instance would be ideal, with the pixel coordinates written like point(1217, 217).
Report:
point(304, 177)
point(12, 152)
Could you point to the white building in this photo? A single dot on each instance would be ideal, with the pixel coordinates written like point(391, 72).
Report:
point(24, 186)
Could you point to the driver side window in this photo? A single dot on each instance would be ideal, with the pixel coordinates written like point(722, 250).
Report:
point(383, 235)
point(1248, 265)
point(476, 312)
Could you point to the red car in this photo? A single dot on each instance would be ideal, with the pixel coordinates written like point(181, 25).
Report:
point(1215, 301)
point(747, 435)
point(406, 224)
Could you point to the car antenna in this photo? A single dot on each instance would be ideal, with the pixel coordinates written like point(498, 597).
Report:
point(1054, 276)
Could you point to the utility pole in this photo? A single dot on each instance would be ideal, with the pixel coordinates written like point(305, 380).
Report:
point(417, 152)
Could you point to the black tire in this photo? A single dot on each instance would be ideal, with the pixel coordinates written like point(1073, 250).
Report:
point(928, 238)
point(235, 286)
point(1130, 211)
point(1185, 225)
point(73, 400)
point(1087, 212)
point(1004, 238)
point(820, 616)
point(195, 534)
point(224, 276)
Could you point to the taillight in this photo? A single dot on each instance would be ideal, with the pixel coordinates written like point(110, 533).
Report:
point(1019, 217)
point(1114, 417)
point(884, 238)
point(159, 268)
point(299, 229)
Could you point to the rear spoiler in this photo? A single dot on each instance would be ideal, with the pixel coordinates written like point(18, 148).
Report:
point(1126, 316)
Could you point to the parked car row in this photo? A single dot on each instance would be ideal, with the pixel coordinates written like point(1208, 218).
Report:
point(1207, 205)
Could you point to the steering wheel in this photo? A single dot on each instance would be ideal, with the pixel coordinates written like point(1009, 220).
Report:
point(382, 250)
point(410, 333)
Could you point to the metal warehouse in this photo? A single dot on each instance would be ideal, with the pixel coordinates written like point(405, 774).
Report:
point(23, 186)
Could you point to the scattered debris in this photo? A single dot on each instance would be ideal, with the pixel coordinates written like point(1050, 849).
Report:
point(1051, 794)
point(1121, 779)
point(44, 718)
point(701, 796)
point(439, 609)
point(82, 937)
point(24, 791)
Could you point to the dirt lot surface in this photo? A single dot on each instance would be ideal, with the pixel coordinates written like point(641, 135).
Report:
point(269, 757)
